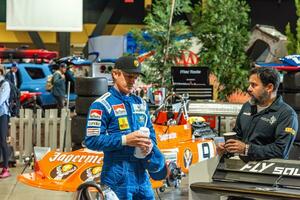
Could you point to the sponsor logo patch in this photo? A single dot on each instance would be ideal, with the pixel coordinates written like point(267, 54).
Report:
point(92, 131)
point(94, 123)
point(62, 171)
point(123, 123)
point(141, 119)
point(272, 120)
point(95, 114)
point(169, 136)
point(188, 158)
point(119, 109)
point(91, 174)
point(106, 105)
point(139, 108)
point(290, 130)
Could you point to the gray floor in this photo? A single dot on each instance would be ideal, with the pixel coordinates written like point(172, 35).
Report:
point(11, 189)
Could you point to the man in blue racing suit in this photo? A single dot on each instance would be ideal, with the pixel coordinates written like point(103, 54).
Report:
point(113, 127)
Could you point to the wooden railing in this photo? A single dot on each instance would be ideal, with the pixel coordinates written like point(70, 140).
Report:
point(40, 129)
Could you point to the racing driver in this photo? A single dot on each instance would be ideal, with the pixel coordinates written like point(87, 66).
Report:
point(113, 127)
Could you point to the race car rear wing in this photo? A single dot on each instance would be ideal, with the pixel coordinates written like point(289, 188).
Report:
point(7, 53)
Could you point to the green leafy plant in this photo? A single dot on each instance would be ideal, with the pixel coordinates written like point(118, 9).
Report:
point(222, 28)
point(166, 45)
point(293, 43)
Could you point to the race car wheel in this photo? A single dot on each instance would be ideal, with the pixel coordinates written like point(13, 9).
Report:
point(291, 81)
point(78, 125)
point(162, 188)
point(91, 86)
point(82, 104)
point(76, 146)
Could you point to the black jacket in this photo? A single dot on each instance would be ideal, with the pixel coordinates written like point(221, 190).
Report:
point(10, 77)
point(269, 133)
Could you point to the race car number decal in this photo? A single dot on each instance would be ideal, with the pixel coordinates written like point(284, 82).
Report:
point(205, 150)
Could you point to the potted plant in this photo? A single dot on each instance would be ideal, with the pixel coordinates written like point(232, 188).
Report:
point(222, 28)
point(165, 37)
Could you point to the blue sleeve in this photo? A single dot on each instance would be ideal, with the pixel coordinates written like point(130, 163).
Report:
point(98, 137)
point(150, 125)
point(4, 92)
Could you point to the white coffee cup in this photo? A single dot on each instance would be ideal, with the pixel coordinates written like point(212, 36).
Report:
point(138, 151)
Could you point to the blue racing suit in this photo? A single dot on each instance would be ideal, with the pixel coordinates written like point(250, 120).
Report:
point(112, 115)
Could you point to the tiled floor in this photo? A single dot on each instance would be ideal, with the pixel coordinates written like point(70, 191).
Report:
point(11, 189)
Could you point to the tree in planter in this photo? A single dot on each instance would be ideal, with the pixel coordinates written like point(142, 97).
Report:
point(222, 28)
point(293, 43)
point(166, 45)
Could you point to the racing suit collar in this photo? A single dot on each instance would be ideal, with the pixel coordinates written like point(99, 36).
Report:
point(119, 94)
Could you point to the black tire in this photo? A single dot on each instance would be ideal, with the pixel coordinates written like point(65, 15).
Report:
point(292, 99)
point(76, 146)
point(291, 81)
point(78, 126)
point(82, 104)
point(91, 86)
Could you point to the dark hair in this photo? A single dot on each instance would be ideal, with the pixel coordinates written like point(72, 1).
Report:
point(267, 75)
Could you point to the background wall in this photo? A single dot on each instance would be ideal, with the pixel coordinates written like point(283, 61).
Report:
point(276, 13)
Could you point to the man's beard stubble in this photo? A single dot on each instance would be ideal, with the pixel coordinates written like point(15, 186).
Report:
point(260, 100)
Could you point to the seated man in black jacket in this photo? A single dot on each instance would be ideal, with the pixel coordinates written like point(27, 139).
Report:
point(266, 126)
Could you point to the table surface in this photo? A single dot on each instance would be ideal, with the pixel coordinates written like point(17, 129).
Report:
point(256, 190)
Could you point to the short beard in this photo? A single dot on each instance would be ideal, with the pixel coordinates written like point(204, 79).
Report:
point(260, 100)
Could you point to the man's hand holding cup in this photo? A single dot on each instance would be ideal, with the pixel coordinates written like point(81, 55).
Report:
point(142, 152)
point(229, 136)
point(232, 144)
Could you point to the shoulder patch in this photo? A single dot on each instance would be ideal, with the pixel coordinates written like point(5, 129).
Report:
point(247, 113)
point(290, 130)
point(95, 114)
point(92, 131)
point(94, 123)
point(103, 101)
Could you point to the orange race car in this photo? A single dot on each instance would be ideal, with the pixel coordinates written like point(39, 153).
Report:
point(182, 139)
